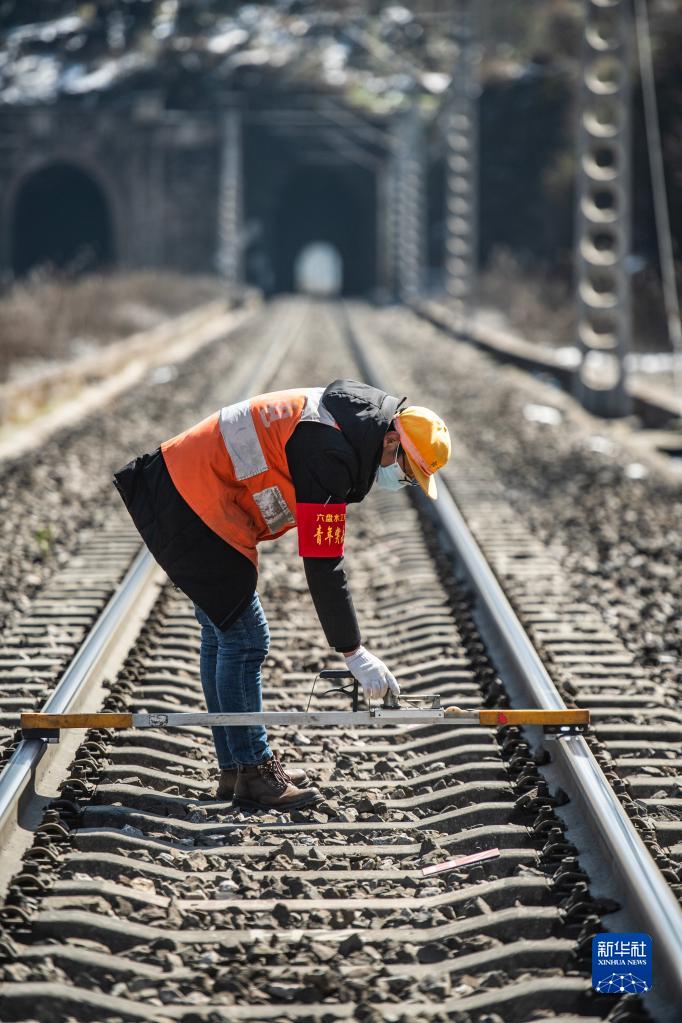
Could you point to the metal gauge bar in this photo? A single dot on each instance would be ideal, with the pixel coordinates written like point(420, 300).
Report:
point(35, 722)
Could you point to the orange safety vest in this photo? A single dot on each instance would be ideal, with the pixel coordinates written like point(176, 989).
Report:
point(232, 469)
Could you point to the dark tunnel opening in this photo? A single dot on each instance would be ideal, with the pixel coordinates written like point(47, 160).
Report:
point(320, 206)
point(61, 219)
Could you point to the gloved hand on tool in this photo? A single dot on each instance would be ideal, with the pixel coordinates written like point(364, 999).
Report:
point(372, 674)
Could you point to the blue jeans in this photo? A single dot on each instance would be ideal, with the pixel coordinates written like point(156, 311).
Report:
point(230, 666)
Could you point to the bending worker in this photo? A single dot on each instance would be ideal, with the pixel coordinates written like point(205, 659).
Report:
point(250, 472)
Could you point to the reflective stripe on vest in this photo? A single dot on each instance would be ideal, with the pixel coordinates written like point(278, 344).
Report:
point(239, 432)
point(241, 437)
point(232, 470)
point(313, 411)
point(274, 509)
point(241, 440)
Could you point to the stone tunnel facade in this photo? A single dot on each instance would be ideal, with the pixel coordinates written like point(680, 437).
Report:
point(156, 178)
point(140, 186)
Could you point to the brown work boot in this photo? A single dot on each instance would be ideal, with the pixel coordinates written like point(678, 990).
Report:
point(228, 780)
point(267, 786)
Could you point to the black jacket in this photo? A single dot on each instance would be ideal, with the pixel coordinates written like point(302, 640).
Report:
point(326, 464)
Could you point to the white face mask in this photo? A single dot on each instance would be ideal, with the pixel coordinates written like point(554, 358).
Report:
point(392, 477)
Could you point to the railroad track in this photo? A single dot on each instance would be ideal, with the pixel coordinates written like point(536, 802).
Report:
point(655, 406)
point(141, 898)
point(42, 635)
point(635, 717)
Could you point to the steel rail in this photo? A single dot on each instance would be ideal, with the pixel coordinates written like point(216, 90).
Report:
point(32, 756)
point(636, 881)
point(20, 773)
point(654, 406)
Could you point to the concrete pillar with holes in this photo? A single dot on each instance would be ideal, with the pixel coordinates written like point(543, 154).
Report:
point(387, 224)
point(230, 199)
point(461, 184)
point(604, 209)
point(411, 212)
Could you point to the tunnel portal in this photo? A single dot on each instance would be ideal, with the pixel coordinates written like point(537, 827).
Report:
point(321, 207)
point(61, 219)
point(319, 270)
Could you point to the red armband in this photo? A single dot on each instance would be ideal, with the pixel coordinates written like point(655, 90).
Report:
point(321, 530)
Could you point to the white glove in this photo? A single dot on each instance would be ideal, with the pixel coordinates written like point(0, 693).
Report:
point(372, 674)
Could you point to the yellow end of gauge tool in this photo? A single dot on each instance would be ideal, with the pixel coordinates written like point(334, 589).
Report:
point(394, 710)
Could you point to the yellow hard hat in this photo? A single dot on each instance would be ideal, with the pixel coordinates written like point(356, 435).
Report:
point(426, 442)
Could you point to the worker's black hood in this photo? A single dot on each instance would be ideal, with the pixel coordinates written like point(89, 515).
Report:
point(363, 414)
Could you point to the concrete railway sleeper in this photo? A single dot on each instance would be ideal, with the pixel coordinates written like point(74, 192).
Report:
point(56, 626)
point(637, 728)
point(54, 537)
point(69, 550)
point(336, 891)
point(572, 764)
point(142, 898)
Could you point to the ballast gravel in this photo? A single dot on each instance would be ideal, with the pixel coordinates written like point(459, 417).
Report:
point(49, 497)
point(613, 523)
point(281, 961)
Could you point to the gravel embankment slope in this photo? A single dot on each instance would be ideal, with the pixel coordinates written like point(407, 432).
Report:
point(49, 497)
